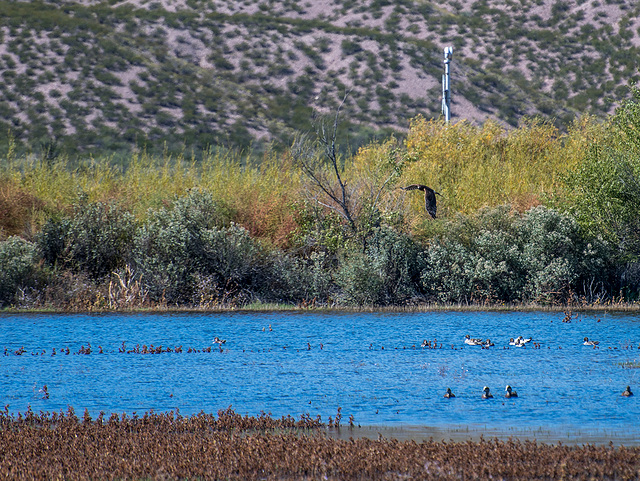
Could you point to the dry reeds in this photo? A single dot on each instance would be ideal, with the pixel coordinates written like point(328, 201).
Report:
point(231, 446)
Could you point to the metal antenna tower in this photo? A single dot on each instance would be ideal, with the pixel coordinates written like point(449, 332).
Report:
point(446, 85)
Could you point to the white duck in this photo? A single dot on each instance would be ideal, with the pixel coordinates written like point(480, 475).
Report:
point(471, 341)
point(519, 341)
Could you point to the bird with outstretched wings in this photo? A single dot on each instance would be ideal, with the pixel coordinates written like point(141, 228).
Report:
point(429, 197)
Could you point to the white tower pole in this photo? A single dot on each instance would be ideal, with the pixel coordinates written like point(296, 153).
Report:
point(446, 85)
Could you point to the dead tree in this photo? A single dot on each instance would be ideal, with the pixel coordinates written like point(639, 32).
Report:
point(322, 165)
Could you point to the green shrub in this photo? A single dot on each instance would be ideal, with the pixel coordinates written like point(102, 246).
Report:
point(603, 194)
point(176, 245)
point(603, 191)
point(96, 240)
point(497, 256)
point(559, 258)
point(387, 273)
point(17, 268)
point(231, 255)
point(288, 279)
point(476, 259)
point(51, 239)
point(238, 271)
point(360, 281)
point(160, 256)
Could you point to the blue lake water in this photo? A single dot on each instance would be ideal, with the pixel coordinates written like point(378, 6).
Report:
point(369, 364)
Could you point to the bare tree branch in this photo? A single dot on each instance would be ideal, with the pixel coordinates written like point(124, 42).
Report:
point(328, 142)
point(321, 163)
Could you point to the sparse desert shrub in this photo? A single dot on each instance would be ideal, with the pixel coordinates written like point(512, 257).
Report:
point(17, 267)
point(350, 47)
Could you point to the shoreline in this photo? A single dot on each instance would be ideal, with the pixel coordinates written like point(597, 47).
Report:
point(570, 436)
point(622, 307)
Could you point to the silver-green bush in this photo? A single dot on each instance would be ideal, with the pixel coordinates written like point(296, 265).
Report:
point(95, 240)
point(497, 256)
point(17, 268)
point(177, 244)
point(388, 272)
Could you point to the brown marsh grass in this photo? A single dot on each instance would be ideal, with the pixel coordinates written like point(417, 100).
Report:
point(231, 446)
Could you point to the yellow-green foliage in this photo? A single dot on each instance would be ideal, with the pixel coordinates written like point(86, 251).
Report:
point(373, 172)
point(471, 166)
point(485, 166)
point(255, 195)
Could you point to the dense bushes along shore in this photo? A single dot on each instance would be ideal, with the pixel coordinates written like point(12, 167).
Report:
point(529, 215)
point(187, 255)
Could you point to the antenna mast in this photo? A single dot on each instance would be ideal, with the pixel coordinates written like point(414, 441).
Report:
point(446, 85)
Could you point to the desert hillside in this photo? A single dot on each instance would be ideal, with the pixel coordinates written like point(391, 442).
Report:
point(173, 74)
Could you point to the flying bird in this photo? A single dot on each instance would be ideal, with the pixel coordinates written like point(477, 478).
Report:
point(429, 197)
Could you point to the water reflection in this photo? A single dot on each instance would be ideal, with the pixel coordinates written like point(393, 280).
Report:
point(370, 365)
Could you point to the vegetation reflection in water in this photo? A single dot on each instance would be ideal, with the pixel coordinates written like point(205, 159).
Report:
point(371, 368)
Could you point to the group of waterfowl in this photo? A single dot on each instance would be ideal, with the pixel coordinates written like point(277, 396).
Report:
point(517, 342)
point(486, 393)
point(510, 393)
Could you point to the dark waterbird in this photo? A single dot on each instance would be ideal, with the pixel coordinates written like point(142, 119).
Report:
point(429, 197)
point(486, 393)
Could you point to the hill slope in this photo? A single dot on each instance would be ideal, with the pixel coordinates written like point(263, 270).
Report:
point(109, 75)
